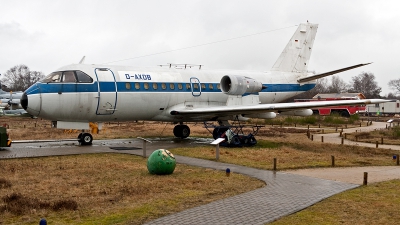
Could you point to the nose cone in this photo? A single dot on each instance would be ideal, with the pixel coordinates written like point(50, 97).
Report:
point(24, 101)
point(31, 100)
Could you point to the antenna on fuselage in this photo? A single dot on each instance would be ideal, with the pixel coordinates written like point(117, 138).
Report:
point(182, 66)
point(82, 60)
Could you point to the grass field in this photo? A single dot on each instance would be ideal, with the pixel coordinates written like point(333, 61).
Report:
point(296, 152)
point(390, 136)
point(105, 189)
point(110, 188)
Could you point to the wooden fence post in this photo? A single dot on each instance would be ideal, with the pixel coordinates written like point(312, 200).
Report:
point(365, 181)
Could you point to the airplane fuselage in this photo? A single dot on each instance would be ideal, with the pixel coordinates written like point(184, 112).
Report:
point(120, 93)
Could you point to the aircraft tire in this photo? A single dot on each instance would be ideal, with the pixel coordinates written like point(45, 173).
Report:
point(85, 139)
point(185, 131)
point(178, 131)
point(181, 131)
point(217, 132)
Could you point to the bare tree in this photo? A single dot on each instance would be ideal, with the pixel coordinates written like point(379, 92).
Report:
point(337, 85)
point(395, 85)
point(392, 96)
point(321, 86)
point(365, 83)
point(19, 78)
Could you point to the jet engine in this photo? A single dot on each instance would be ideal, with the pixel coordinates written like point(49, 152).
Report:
point(300, 112)
point(266, 115)
point(238, 85)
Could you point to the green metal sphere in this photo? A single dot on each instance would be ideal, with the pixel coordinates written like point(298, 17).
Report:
point(161, 162)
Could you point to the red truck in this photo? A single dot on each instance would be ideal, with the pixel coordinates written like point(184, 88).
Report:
point(344, 111)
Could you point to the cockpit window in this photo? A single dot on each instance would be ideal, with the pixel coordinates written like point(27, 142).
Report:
point(68, 77)
point(52, 78)
point(83, 77)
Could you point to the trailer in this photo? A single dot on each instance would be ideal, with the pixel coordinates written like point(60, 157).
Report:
point(383, 109)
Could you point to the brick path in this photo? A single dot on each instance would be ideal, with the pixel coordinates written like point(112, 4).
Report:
point(284, 194)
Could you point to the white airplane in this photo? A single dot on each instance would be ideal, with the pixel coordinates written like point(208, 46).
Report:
point(77, 94)
point(10, 100)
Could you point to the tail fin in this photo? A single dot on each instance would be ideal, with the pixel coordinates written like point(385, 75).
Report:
point(296, 54)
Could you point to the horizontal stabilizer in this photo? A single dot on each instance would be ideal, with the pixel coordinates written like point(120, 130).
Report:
point(321, 75)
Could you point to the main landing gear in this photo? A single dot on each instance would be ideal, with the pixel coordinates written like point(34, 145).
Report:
point(85, 139)
point(181, 131)
point(234, 135)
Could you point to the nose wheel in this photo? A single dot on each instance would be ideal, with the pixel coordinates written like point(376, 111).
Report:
point(181, 131)
point(85, 139)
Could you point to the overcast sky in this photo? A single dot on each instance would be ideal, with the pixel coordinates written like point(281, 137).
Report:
point(46, 35)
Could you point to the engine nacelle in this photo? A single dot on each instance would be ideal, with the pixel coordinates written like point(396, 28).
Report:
point(266, 115)
point(239, 85)
point(300, 112)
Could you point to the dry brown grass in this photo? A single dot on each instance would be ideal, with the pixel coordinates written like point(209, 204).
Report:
point(294, 151)
point(105, 189)
point(21, 128)
point(390, 136)
point(62, 181)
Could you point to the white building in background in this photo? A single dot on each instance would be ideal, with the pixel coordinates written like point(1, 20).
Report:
point(387, 108)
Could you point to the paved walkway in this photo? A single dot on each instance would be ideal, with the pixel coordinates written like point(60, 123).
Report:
point(284, 194)
point(336, 139)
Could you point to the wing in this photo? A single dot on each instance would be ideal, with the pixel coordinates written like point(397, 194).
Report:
point(210, 113)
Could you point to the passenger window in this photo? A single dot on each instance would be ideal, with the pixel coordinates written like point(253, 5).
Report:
point(54, 77)
point(180, 86)
point(211, 86)
point(137, 86)
point(146, 86)
point(83, 77)
point(155, 86)
point(219, 86)
point(128, 85)
point(196, 86)
point(171, 86)
point(203, 86)
point(163, 86)
point(69, 77)
point(188, 86)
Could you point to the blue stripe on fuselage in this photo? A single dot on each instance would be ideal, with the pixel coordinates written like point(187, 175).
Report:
point(130, 87)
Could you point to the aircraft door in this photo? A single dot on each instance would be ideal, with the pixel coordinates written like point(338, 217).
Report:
point(195, 86)
point(107, 91)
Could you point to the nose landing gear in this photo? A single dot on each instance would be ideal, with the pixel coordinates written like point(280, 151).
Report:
point(85, 139)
